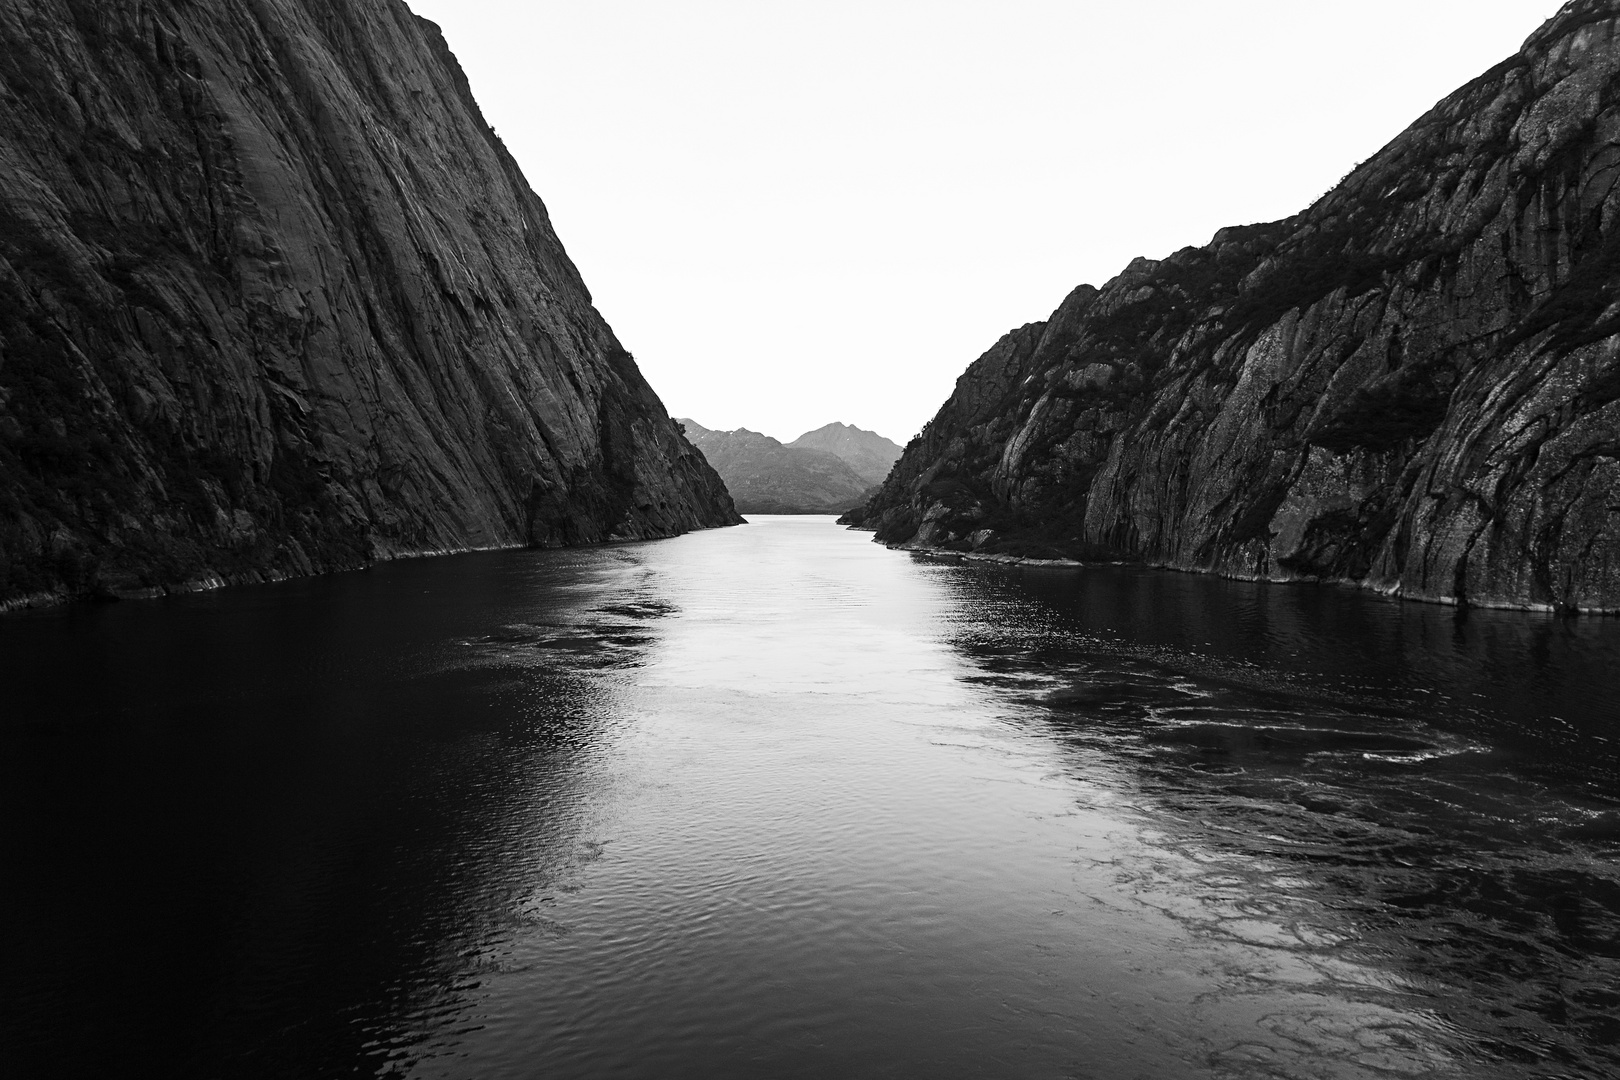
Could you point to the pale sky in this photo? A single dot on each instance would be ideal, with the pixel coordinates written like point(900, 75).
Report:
point(796, 212)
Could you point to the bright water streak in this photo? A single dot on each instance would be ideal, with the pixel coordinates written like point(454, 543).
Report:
point(775, 801)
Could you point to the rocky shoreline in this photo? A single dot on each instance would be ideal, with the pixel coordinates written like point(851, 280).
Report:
point(953, 554)
point(208, 581)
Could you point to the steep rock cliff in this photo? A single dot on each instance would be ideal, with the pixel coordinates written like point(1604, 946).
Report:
point(274, 300)
point(1413, 385)
point(766, 477)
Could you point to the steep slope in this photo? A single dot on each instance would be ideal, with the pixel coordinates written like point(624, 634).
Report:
point(274, 300)
point(1413, 385)
point(866, 452)
point(766, 477)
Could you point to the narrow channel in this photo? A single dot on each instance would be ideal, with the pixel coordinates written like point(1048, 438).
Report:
point(775, 801)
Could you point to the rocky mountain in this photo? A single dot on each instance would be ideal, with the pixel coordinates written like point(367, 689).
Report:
point(1413, 385)
point(766, 477)
point(274, 299)
point(866, 452)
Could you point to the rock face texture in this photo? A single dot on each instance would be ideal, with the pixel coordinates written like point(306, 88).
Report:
point(1414, 385)
point(766, 477)
point(869, 454)
point(274, 300)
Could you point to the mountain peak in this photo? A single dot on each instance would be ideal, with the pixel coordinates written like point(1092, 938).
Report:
point(867, 452)
point(765, 477)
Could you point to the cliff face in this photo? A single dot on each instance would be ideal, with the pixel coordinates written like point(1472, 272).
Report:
point(766, 477)
point(274, 300)
point(1413, 385)
point(866, 452)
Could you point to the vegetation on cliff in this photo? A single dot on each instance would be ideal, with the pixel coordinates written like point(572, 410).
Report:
point(1413, 385)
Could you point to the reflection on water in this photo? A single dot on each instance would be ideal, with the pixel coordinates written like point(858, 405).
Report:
point(774, 801)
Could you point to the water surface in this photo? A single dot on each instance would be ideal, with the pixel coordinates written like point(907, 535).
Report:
point(775, 801)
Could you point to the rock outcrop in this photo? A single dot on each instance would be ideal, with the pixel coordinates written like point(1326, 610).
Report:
point(766, 477)
point(869, 454)
point(1414, 385)
point(274, 299)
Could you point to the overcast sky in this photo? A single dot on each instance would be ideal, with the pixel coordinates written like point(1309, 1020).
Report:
point(795, 212)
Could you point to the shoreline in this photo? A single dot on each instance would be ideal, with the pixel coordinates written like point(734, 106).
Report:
point(208, 582)
point(1393, 593)
point(211, 580)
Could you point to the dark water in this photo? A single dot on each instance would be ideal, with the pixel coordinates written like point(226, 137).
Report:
point(776, 802)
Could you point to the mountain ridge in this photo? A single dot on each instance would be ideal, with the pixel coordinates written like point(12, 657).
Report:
point(766, 476)
point(868, 453)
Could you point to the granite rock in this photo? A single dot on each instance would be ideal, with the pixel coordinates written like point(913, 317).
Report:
point(275, 300)
point(1413, 385)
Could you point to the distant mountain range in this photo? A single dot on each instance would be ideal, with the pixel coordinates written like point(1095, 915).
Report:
point(826, 471)
point(866, 452)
